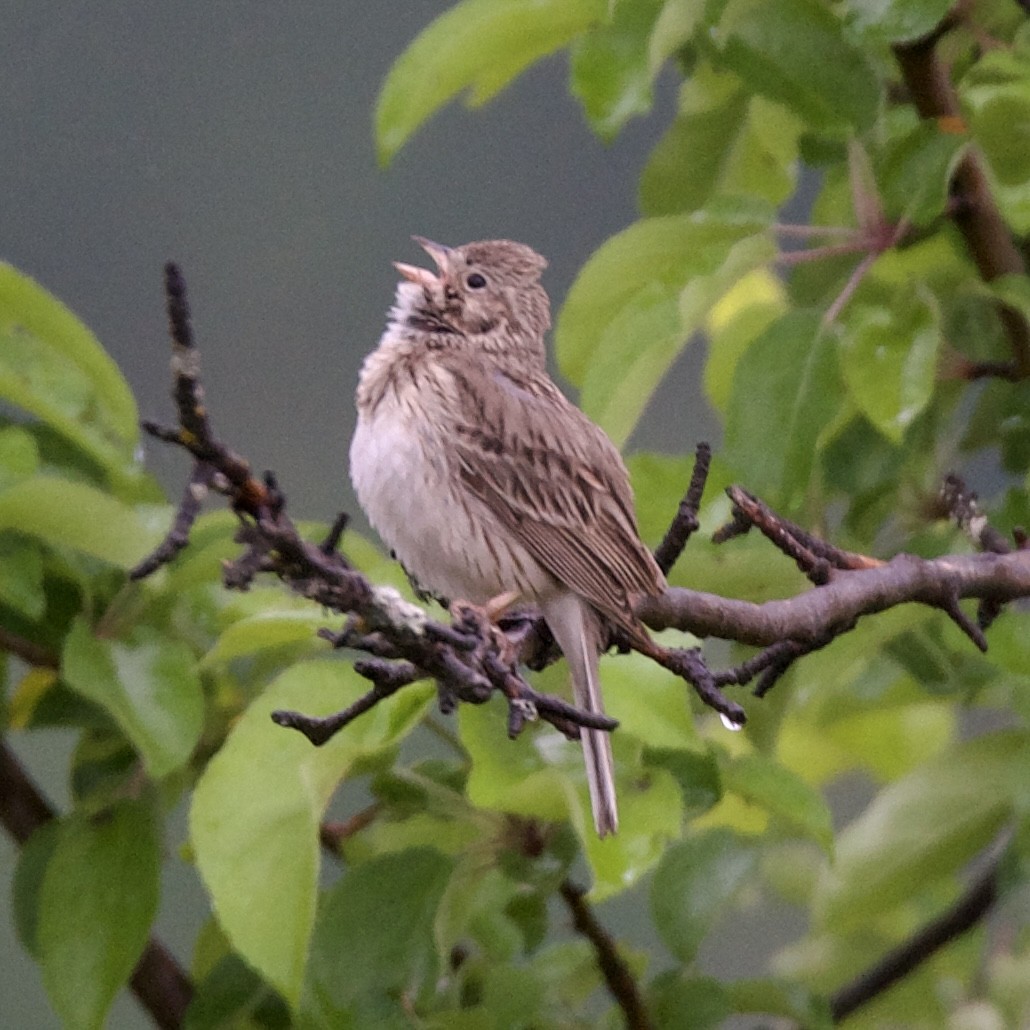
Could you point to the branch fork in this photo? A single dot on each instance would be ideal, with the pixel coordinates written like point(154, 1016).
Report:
point(482, 652)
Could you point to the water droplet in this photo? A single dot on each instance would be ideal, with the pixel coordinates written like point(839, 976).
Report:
point(730, 724)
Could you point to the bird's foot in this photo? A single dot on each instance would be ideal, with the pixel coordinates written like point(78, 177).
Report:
point(480, 621)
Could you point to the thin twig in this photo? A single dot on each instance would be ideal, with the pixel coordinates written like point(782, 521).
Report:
point(970, 908)
point(27, 650)
point(621, 984)
point(804, 231)
point(334, 833)
point(814, 557)
point(686, 522)
point(962, 505)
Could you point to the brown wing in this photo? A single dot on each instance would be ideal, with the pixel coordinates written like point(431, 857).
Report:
point(557, 483)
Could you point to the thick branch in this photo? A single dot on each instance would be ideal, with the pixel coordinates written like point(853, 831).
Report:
point(476, 656)
point(159, 982)
point(808, 617)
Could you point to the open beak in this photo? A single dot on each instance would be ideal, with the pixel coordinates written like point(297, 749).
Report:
point(422, 276)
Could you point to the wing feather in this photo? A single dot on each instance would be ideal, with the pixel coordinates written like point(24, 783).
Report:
point(557, 483)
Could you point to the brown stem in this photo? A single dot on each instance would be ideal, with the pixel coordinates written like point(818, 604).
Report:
point(27, 650)
point(617, 976)
point(968, 910)
point(976, 214)
point(686, 522)
point(334, 833)
point(158, 981)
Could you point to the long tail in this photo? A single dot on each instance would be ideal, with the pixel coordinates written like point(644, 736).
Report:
point(577, 630)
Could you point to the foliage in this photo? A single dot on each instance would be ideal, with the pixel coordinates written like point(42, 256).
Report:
point(847, 388)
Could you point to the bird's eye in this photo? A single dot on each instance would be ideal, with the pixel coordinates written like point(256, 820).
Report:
point(475, 281)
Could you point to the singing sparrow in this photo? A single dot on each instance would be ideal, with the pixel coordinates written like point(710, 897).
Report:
point(484, 480)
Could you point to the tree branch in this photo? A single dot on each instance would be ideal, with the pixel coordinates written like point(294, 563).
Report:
point(841, 602)
point(158, 981)
point(616, 973)
point(971, 906)
point(686, 522)
point(27, 650)
point(475, 656)
point(975, 214)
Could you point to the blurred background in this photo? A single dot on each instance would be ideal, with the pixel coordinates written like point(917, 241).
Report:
point(235, 136)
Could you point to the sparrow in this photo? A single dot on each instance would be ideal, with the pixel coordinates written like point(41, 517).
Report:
point(486, 482)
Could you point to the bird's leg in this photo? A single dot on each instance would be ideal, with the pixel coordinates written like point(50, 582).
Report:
point(480, 621)
point(497, 606)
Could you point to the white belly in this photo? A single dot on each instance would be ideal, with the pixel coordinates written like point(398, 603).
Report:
point(442, 535)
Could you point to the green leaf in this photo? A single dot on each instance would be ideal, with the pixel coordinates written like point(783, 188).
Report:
point(800, 58)
point(882, 22)
point(996, 98)
point(650, 815)
point(694, 882)
point(151, 687)
point(1002, 418)
point(915, 171)
point(781, 998)
point(541, 775)
point(256, 812)
point(21, 586)
point(373, 941)
point(699, 1003)
point(742, 315)
point(697, 775)
point(1002, 126)
point(25, 307)
point(886, 741)
point(104, 766)
point(889, 359)
point(640, 298)
point(659, 482)
point(479, 45)
point(767, 783)
point(1013, 290)
point(924, 827)
point(664, 252)
point(650, 703)
point(514, 995)
point(473, 905)
point(673, 29)
point(28, 883)
point(786, 390)
point(19, 455)
point(231, 993)
point(265, 630)
point(632, 355)
point(611, 66)
point(63, 513)
point(723, 142)
point(513, 775)
point(97, 901)
point(52, 367)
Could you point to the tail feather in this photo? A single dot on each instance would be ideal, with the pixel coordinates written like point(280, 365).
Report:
point(577, 630)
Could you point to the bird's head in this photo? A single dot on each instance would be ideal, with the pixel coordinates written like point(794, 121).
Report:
point(488, 289)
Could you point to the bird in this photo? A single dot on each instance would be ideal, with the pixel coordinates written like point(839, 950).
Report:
point(486, 482)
